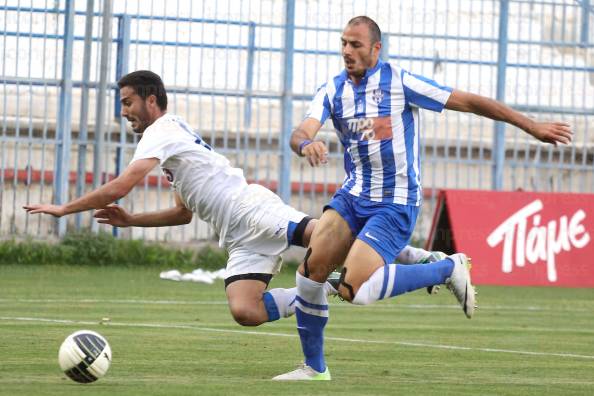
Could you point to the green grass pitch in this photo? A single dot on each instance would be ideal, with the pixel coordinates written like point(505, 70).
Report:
point(173, 338)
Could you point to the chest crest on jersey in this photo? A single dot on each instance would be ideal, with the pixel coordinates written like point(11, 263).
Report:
point(377, 95)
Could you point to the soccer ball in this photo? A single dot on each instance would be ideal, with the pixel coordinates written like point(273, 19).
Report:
point(84, 356)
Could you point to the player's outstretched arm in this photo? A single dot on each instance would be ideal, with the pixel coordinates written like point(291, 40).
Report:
point(118, 217)
point(104, 195)
point(304, 145)
point(548, 132)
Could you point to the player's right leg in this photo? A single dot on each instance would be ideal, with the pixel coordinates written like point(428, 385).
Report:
point(391, 280)
point(432, 257)
point(367, 276)
point(329, 245)
point(412, 255)
point(408, 255)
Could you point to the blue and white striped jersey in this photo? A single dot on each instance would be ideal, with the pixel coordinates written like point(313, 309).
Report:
point(378, 123)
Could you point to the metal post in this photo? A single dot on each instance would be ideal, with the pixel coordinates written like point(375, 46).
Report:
point(84, 108)
point(122, 61)
point(101, 99)
point(63, 125)
point(385, 51)
point(585, 23)
point(284, 185)
point(249, 76)
point(499, 138)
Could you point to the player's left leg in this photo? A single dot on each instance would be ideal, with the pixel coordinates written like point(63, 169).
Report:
point(251, 304)
point(248, 276)
point(264, 227)
point(247, 302)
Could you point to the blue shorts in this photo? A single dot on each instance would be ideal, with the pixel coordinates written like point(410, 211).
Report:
point(386, 227)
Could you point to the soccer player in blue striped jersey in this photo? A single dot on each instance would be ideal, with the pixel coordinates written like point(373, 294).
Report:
point(375, 107)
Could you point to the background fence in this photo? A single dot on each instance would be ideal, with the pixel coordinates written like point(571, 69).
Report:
point(243, 72)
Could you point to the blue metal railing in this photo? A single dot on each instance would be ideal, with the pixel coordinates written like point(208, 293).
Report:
point(64, 124)
point(279, 98)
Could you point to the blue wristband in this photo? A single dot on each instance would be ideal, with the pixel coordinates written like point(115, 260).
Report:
point(303, 144)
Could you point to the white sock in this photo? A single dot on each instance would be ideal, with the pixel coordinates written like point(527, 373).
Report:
point(395, 279)
point(411, 255)
point(285, 301)
point(311, 291)
point(371, 289)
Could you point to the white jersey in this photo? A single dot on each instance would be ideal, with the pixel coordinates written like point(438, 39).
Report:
point(205, 181)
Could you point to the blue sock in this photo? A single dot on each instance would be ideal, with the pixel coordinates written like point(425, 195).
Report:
point(271, 307)
point(394, 279)
point(416, 276)
point(279, 303)
point(311, 310)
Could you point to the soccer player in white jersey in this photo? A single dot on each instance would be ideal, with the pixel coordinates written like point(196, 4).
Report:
point(253, 224)
point(374, 107)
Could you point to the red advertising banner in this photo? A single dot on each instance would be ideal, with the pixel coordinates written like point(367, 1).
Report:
point(518, 238)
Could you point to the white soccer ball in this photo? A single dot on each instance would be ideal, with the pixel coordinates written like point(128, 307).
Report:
point(85, 356)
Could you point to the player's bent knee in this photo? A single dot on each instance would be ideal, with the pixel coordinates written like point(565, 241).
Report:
point(363, 298)
point(365, 294)
point(346, 289)
point(245, 311)
point(318, 274)
point(344, 293)
point(315, 271)
point(246, 316)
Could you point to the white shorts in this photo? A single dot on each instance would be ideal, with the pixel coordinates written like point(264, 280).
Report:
point(257, 232)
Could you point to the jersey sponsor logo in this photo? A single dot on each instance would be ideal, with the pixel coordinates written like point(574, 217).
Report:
point(360, 129)
point(534, 242)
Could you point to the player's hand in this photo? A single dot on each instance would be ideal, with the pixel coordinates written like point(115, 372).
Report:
point(316, 153)
point(114, 215)
point(552, 132)
point(54, 210)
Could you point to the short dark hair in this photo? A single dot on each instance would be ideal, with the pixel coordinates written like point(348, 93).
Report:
point(145, 84)
point(375, 34)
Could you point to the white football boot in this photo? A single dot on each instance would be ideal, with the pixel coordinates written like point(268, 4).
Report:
point(304, 373)
point(459, 283)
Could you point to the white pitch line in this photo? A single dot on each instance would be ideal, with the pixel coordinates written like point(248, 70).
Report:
point(264, 333)
point(340, 304)
point(100, 301)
